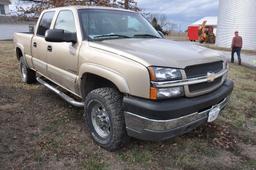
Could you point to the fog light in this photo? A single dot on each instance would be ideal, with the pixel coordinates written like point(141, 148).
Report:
point(170, 92)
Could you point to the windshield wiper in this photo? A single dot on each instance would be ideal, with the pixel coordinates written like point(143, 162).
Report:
point(104, 36)
point(146, 35)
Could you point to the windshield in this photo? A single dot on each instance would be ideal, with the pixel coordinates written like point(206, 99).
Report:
point(113, 24)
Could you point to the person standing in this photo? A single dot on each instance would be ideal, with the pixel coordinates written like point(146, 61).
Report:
point(237, 44)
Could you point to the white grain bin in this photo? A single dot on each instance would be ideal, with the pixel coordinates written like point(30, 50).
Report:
point(237, 15)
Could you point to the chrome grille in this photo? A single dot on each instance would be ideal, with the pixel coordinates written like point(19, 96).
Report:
point(201, 70)
point(204, 86)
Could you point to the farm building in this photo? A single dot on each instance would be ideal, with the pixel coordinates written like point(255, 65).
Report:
point(211, 22)
point(234, 15)
point(11, 24)
point(237, 15)
point(4, 7)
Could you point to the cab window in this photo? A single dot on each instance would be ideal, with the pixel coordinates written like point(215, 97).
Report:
point(66, 21)
point(45, 23)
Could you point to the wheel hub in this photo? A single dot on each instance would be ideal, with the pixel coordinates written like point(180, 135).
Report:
point(23, 72)
point(100, 120)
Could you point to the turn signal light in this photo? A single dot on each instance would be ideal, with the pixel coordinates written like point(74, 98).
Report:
point(153, 93)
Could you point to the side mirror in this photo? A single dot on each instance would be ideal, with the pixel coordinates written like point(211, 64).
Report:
point(162, 35)
point(59, 35)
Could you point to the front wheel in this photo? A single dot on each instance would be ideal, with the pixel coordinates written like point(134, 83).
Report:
point(105, 119)
point(27, 75)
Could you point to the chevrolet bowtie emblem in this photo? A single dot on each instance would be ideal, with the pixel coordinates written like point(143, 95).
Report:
point(211, 77)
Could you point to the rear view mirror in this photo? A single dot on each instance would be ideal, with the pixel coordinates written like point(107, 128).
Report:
point(59, 35)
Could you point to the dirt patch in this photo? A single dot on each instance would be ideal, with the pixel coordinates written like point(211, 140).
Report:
point(224, 159)
point(8, 107)
point(249, 151)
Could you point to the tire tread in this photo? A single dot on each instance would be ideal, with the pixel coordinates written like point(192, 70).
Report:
point(113, 100)
point(31, 74)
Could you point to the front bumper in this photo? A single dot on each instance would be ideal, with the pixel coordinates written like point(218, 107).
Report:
point(160, 120)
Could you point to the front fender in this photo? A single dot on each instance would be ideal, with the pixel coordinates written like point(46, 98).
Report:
point(106, 73)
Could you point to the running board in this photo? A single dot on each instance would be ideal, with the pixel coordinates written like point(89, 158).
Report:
point(61, 94)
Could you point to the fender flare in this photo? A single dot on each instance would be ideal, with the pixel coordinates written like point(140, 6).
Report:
point(20, 46)
point(106, 73)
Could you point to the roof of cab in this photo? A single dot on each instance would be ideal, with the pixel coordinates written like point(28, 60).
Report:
point(90, 7)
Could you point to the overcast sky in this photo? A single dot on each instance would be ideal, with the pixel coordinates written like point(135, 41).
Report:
point(181, 12)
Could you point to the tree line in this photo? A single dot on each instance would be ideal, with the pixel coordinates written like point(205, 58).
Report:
point(39, 5)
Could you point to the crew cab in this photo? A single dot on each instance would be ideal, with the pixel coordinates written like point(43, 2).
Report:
point(131, 81)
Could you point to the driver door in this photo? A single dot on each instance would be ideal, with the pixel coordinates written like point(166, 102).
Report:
point(63, 56)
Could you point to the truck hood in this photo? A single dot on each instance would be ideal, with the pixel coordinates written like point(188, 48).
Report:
point(159, 52)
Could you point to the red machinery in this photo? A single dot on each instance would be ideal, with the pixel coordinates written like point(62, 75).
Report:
point(193, 33)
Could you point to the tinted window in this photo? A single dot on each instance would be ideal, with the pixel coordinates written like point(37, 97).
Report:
point(66, 22)
point(45, 23)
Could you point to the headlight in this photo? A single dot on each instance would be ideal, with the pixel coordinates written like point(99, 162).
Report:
point(164, 74)
point(170, 92)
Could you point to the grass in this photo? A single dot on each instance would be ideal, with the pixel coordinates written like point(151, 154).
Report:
point(178, 37)
point(41, 131)
point(213, 46)
point(94, 163)
point(243, 98)
point(184, 37)
point(136, 155)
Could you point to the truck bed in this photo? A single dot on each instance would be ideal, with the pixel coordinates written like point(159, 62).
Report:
point(23, 40)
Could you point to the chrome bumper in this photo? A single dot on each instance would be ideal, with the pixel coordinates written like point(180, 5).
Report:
point(149, 129)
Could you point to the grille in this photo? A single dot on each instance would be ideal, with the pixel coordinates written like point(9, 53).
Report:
point(203, 69)
point(203, 86)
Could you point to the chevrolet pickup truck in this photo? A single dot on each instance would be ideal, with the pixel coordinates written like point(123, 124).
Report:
point(131, 81)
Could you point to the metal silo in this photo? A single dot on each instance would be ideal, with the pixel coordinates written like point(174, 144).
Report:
point(237, 15)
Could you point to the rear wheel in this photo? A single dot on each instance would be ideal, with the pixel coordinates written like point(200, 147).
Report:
point(105, 119)
point(27, 75)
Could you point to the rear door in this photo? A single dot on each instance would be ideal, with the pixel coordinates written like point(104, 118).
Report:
point(63, 56)
point(39, 45)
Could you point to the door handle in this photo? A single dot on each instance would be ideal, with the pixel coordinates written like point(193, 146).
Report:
point(49, 48)
point(35, 44)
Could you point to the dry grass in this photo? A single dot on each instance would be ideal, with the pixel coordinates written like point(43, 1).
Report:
point(177, 36)
point(41, 131)
point(213, 46)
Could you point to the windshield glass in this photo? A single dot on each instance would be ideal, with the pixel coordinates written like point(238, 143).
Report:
point(100, 24)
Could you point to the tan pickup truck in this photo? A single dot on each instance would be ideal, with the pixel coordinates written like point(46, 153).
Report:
point(129, 79)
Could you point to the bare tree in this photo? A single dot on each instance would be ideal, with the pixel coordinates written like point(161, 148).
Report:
point(163, 21)
point(172, 27)
point(35, 10)
point(128, 4)
point(148, 16)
